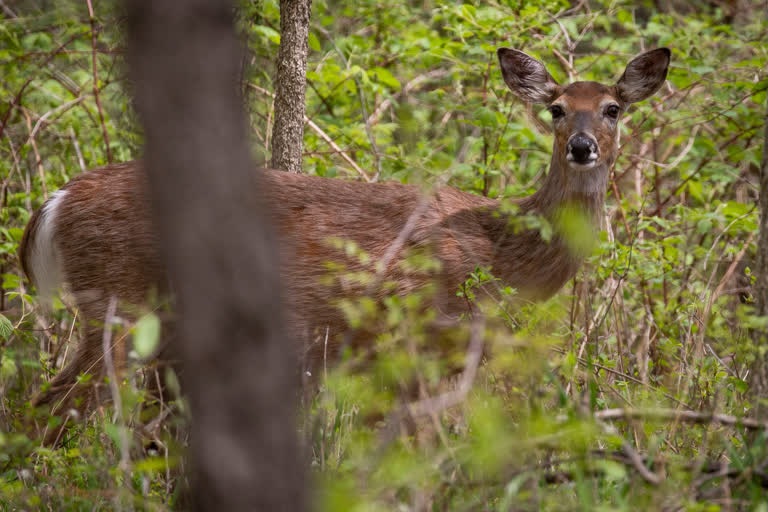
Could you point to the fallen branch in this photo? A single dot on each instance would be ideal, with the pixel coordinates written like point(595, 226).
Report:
point(558, 471)
point(680, 415)
point(709, 471)
point(453, 398)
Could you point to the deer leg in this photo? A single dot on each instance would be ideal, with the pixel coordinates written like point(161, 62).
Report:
point(65, 394)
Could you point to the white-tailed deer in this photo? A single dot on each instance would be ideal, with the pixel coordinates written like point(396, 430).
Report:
point(95, 233)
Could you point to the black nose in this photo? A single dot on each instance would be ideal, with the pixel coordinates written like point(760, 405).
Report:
point(582, 147)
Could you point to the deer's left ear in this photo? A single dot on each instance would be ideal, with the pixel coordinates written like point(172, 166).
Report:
point(644, 75)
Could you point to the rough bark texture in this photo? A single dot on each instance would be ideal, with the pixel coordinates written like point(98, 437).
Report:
point(220, 257)
point(288, 131)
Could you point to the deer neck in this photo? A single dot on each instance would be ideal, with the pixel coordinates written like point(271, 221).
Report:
point(538, 267)
point(566, 188)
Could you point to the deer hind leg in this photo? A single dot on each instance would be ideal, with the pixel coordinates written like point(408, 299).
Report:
point(65, 396)
point(71, 395)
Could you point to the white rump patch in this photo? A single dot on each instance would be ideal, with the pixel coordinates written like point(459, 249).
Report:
point(44, 259)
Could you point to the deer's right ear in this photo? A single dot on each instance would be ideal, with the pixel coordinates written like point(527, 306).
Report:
point(526, 76)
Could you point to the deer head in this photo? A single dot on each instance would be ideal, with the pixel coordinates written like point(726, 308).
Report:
point(584, 114)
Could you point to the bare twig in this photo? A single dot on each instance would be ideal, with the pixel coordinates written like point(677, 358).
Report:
point(78, 152)
point(453, 398)
point(361, 94)
point(38, 160)
point(7, 10)
point(626, 376)
point(323, 136)
point(61, 108)
point(96, 82)
point(683, 153)
point(336, 148)
point(109, 367)
point(435, 74)
point(17, 99)
point(680, 415)
point(732, 267)
point(633, 458)
point(699, 347)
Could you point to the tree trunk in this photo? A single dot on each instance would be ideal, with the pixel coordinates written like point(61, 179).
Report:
point(220, 256)
point(760, 376)
point(288, 131)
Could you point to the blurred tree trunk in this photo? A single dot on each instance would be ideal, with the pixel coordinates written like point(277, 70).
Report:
point(288, 131)
point(220, 255)
point(760, 375)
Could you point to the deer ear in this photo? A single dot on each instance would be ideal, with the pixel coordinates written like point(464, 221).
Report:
point(644, 75)
point(526, 76)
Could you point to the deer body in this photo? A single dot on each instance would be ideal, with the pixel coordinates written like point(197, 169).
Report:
point(96, 234)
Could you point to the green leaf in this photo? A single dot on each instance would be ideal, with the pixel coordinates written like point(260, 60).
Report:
point(696, 189)
point(270, 33)
point(703, 226)
point(15, 234)
point(154, 464)
point(314, 43)
point(703, 69)
point(735, 209)
point(624, 17)
point(6, 327)
point(7, 368)
point(146, 335)
point(485, 117)
point(386, 77)
point(613, 470)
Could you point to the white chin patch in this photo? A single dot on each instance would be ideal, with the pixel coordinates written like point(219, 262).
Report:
point(582, 167)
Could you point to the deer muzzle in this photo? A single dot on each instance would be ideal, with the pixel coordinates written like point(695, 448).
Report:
point(582, 149)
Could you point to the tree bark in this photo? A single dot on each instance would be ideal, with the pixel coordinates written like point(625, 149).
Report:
point(288, 131)
point(760, 376)
point(761, 285)
point(759, 379)
point(220, 255)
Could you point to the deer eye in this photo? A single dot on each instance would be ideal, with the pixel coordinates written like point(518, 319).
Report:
point(556, 111)
point(612, 111)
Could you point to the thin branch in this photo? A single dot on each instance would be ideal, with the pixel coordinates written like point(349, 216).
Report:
point(323, 136)
point(7, 10)
point(680, 415)
point(435, 74)
point(125, 457)
point(17, 99)
point(61, 108)
point(38, 160)
point(361, 94)
point(96, 82)
point(453, 398)
point(679, 158)
point(78, 152)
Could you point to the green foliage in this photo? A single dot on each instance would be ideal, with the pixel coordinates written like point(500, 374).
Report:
point(146, 335)
point(660, 316)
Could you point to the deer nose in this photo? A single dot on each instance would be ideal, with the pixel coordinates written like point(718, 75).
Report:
point(582, 149)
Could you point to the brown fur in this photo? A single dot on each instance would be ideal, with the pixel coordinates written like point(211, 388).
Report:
point(108, 246)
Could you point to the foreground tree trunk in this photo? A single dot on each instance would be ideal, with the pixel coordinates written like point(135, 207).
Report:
point(220, 257)
point(288, 131)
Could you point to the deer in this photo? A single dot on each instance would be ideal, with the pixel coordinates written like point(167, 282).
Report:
point(95, 234)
